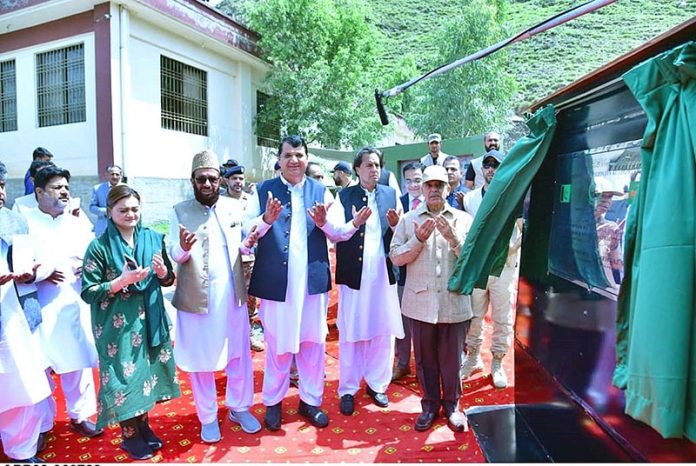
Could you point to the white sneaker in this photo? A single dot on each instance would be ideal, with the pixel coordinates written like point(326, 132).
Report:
point(498, 373)
point(472, 364)
point(210, 433)
point(246, 420)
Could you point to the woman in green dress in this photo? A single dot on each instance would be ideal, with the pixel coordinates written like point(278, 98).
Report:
point(124, 270)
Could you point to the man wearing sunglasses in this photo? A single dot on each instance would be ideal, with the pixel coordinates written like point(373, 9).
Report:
point(212, 319)
point(498, 292)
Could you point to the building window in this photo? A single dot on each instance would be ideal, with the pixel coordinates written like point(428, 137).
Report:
point(268, 131)
point(60, 90)
point(8, 96)
point(184, 97)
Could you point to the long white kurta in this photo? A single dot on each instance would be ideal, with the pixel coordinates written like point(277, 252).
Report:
point(207, 342)
point(374, 309)
point(66, 330)
point(301, 317)
point(22, 375)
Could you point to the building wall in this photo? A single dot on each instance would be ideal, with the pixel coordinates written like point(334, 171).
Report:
point(155, 152)
point(73, 145)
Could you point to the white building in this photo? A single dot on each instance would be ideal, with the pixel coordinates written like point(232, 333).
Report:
point(144, 84)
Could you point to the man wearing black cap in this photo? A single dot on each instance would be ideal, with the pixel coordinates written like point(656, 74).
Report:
point(42, 154)
point(498, 292)
point(342, 175)
point(474, 175)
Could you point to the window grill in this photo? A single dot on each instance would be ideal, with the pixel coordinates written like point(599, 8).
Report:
point(184, 97)
point(8, 96)
point(268, 132)
point(60, 90)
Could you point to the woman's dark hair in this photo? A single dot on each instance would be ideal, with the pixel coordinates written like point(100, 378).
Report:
point(119, 192)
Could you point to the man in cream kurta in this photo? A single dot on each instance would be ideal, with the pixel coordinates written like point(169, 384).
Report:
point(212, 318)
point(22, 377)
point(427, 241)
point(58, 241)
point(499, 292)
point(292, 278)
point(360, 221)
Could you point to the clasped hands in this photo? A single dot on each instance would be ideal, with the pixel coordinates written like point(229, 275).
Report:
point(425, 229)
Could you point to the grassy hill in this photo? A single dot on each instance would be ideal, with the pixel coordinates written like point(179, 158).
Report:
point(545, 62)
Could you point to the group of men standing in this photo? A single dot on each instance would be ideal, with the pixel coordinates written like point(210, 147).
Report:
point(394, 257)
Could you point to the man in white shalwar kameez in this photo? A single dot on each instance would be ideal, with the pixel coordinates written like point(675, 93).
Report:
point(292, 278)
point(212, 318)
point(58, 242)
point(369, 315)
point(22, 378)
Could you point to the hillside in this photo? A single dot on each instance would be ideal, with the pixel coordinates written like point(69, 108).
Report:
point(547, 61)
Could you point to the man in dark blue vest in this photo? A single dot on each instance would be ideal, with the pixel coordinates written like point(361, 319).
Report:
point(292, 278)
point(361, 222)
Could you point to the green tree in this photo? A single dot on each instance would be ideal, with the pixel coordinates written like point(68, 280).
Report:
point(322, 82)
point(476, 96)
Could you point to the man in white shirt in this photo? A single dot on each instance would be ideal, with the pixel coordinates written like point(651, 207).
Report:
point(292, 279)
point(361, 221)
point(59, 241)
point(212, 319)
point(434, 156)
point(474, 175)
point(499, 292)
point(24, 384)
point(413, 178)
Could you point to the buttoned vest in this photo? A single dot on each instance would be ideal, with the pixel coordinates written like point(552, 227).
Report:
point(269, 280)
point(191, 294)
point(349, 254)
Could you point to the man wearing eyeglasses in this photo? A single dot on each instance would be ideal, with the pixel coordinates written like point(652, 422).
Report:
point(498, 292)
point(413, 178)
point(212, 319)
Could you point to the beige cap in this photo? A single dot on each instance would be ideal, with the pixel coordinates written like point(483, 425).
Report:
point(205, 159)
point(434, 137)
point(435, 173)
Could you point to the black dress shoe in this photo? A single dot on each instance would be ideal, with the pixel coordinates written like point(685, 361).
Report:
point(380, 399)
point(85, 428)
point(272, 417)
point(315, 415)
point(32, 460)
point(347, 405)
point(424, 421)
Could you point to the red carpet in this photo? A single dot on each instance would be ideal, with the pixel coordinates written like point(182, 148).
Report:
point(372, 434)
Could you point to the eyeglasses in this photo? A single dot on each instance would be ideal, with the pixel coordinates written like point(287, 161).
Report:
point(490, 165)
point(416, 181)
point(210, 179)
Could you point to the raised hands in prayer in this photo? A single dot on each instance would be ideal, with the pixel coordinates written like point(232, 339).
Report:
point(273, 209)
point(318, 213)
point(392, 217)
point(361, 216)
point(252, 238)
point(186, 238)
point(425, 229)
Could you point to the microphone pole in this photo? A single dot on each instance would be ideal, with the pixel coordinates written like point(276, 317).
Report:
point(545, 25)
